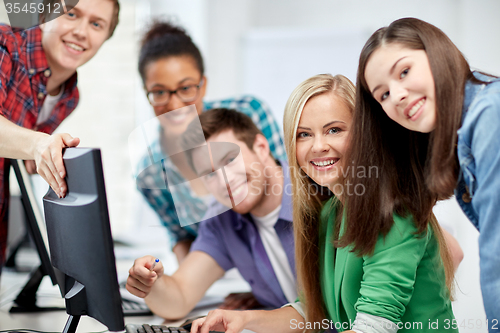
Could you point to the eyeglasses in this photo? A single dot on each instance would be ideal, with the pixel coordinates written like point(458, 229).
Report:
point(186, 94)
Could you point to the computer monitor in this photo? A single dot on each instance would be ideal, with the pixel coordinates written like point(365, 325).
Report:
point(26, 300)
point(81, 245)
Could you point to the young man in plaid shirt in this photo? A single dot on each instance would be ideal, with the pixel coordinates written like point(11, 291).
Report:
point(38, 91)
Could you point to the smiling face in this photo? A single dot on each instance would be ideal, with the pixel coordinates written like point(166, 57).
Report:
point(173, 73)
point(400, 79)
point(245, 175)
point(72, 39)
point(322, 138)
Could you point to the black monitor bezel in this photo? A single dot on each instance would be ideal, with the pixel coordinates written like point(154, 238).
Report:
point(75, 292)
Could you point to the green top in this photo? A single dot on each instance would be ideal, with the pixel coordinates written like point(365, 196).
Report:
point(403, 281)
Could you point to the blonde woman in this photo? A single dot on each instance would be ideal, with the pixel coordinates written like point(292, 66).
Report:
point(400, 285)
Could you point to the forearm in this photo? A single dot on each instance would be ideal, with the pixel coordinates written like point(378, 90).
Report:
point(173, 297)
point(18, 142)
point(181, 249)
point(281, 320)
point(167, 299)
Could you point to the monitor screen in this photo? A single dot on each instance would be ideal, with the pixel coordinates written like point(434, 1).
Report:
point(81, 245)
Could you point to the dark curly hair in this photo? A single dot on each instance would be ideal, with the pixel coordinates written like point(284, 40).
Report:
point(163, 40)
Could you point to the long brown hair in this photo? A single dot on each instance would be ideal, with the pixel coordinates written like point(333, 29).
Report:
point(307, 196)
point(450, 72)
point(414, 169)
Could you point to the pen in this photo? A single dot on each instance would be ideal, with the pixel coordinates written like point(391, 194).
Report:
point(154, 264)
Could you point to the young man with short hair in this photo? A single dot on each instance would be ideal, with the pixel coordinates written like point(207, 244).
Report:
point(255, 236)
point(38, 90)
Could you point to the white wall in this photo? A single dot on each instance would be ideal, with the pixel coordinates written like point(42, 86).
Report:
point(472, 25)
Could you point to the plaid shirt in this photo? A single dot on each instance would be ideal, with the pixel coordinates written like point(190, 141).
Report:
point(151, 182)
point(24, 72)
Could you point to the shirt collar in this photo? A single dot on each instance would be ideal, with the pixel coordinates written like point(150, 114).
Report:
point(35, 53)
point(286, 201)
point(471, 90)
point(286, 198)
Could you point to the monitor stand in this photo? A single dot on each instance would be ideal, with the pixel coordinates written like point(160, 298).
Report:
point(26, 299)
point(76, 304)
point(71, 324)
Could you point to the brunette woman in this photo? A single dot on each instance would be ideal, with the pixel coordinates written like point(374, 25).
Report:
point(424, 117)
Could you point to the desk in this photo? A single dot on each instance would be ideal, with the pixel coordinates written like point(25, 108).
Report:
point(54, 321)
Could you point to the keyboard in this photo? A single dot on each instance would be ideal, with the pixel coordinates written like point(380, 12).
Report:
point(135, 306)
point(145, 328)
point(132, 308)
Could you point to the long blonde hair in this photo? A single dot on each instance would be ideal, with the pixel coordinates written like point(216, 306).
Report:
point(307, 196)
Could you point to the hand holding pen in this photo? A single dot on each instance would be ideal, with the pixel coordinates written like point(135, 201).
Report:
point(152, 268)
point(154, 264)
point(143, 275)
